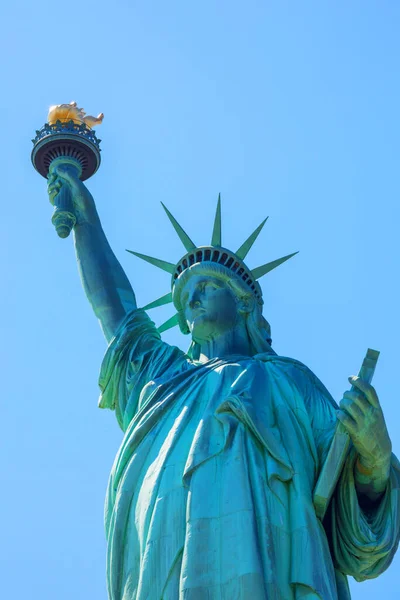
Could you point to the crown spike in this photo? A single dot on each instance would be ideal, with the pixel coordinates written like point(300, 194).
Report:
point(216, 239)
point(245, 247)
point(161, 264)
point(183, 236)
point(159, 302)
point(172, 322)
point(264, 269)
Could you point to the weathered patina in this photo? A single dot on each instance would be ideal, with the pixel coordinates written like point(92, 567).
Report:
point(211, 492)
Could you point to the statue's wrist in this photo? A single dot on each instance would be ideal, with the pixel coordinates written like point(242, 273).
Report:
point(373, 469)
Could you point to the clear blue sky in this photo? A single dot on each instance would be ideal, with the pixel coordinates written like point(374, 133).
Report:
point(289, 109)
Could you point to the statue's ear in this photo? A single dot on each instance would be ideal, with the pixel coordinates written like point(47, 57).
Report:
point(246, 304)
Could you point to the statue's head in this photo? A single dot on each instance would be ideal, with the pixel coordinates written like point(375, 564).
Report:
point(210, 300)
point(213, 290)
point(210, 304)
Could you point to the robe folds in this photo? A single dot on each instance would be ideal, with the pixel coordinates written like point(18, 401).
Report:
point(210, 494)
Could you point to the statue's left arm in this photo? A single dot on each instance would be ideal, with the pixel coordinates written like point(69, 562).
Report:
point(363, 519)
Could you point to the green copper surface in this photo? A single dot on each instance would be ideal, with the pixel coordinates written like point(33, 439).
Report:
point(264, 269)
point(183, 236)
point(172, 322)
point(339, 448)
point(211, 492)
point(216, 239)
point(215, 254)
point(63, 217)
point(166, 299)
point(246, 246)
point(161, 264)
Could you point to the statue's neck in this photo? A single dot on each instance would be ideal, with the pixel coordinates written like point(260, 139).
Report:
point(233, 342)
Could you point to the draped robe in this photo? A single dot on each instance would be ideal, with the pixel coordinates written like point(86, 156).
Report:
point(210, 494)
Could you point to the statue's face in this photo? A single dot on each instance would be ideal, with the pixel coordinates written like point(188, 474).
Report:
point(210, 307)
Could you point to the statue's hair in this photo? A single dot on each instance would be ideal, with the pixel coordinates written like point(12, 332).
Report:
point(258, 328)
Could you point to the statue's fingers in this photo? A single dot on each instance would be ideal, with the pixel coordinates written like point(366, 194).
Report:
point(348, 421)
point(54, 188)
point(367, 389)
point(51, 178)
point(350, 407)
point(65, 175)
point(61, 171)
point(53, 193)
point(359, 399)
point(56, 183)
point(64, 172)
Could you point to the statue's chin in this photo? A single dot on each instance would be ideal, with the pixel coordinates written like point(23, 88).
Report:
point(203, 329)
point(198, 333)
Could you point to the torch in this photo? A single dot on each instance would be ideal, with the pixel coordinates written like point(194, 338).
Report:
point(67, 139)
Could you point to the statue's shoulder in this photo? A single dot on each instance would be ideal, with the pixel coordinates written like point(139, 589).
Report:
point(285, 363)
point(298, 372)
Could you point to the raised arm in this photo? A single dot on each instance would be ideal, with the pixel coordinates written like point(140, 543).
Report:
point(104, 281)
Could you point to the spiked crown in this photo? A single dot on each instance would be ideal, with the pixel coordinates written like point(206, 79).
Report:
point(215, 253)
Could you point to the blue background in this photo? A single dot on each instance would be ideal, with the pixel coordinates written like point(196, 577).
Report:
point(289, 109)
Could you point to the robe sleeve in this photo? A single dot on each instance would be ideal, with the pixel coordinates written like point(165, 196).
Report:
point(363, 542)
point(135, 357)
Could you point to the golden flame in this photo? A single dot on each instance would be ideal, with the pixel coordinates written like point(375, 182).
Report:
point(71, 112)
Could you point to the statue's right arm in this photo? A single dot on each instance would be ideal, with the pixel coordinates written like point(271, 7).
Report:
point(104, 281)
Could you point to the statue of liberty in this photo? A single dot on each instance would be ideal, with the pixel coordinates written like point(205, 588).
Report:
point(211, 492)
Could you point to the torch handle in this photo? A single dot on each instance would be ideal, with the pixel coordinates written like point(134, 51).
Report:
point(64, 217)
